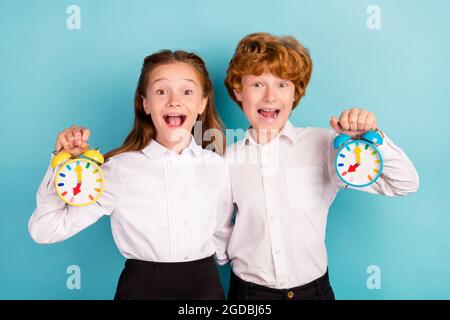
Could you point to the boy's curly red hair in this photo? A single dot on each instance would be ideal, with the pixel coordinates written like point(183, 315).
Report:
point(284, 56)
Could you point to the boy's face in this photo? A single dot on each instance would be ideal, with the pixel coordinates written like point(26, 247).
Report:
point(266, 100)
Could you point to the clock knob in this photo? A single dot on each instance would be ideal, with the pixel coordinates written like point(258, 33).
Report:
point(374, 137)
point(60, 158)
point(340, 140)
point(94, 155)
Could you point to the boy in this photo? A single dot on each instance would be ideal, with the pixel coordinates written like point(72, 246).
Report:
point(283, 178)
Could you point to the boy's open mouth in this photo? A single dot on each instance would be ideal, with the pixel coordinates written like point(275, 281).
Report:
point(174, 120)
point(269, 113)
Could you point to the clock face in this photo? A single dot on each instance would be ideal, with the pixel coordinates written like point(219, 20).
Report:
point(79, 182)
point(358, 163)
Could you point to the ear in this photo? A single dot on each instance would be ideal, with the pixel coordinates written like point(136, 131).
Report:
point(145, 104)
point(237, 94)
point(204, 104)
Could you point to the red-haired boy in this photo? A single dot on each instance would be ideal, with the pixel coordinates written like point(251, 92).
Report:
point(277, 247)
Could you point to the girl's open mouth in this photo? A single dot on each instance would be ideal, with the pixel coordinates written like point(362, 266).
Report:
point(269, 114)
point(174, 120)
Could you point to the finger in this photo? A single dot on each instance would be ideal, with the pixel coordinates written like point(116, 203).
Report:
point(353, 119)
point(76, 151)
point(374, 125)
point(63, 140)
point(334, 123)
point(58, 144)
point(362, 116)
point(70, 138)
point(370, 120)
point(86, 133)
point(343, 120)
point(83, 146)
point(77, 134)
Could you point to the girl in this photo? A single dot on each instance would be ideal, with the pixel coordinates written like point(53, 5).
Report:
point(169, 198)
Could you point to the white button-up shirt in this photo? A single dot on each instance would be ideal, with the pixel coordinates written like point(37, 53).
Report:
point(283, 191)
point(163, 206)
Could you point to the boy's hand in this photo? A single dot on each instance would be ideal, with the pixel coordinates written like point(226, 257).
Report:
point(354, 122)
point(73, 140)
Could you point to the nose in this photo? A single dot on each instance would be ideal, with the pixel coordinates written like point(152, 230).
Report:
point(173, 102)
point(269, 94)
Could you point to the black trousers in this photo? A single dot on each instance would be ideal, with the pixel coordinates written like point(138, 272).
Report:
point(193, 280)
point(319, 289)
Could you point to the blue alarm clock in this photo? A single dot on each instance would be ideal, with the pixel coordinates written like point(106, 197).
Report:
point(358, 162)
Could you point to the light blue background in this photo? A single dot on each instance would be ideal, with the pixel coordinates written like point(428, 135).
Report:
point(52, 77)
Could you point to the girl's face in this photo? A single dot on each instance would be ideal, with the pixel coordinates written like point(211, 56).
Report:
point(267, 102)
point(174, 99)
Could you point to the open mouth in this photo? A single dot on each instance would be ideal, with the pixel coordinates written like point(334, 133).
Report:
point(174, 120)
point(269, 113)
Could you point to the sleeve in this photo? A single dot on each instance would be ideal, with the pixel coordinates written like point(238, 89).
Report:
point(224, 225)
point(52, 221)
point(399, 176)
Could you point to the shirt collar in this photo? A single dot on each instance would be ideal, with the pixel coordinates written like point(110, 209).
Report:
point(288, 131)
point(155, 150)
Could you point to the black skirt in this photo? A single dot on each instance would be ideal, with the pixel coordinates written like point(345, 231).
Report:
point(193, 280)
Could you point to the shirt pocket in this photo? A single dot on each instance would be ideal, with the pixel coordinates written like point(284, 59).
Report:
point(304, 186)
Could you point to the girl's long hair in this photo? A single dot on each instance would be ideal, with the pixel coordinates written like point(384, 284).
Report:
point(144, 130)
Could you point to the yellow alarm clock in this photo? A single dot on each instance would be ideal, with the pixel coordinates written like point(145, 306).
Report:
point(79, 181)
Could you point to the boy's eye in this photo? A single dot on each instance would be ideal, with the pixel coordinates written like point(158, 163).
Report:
point(188, 92)
point(283, 85)
point(160, 91)
point(258, 84)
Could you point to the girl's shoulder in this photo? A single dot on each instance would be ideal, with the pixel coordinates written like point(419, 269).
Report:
point(125, 158)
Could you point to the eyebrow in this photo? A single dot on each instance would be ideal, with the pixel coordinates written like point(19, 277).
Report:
point(186, 79)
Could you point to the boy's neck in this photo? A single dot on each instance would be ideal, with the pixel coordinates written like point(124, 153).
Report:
point(264, 136)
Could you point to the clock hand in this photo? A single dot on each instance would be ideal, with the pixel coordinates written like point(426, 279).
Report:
point(357, 151)
point(77, 189)
point(352, 167)
point(78, 170)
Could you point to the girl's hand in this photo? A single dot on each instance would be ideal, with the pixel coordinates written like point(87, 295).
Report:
point(354, 122)
point(73, 140)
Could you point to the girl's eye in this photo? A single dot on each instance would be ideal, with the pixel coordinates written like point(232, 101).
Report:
point(188, 92)
point(283, 85)
point(161, 91)
point(258, 84)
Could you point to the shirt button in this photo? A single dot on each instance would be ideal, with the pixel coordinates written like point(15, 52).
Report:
point(277, 252)
point(186, 258)
point(290, 294)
